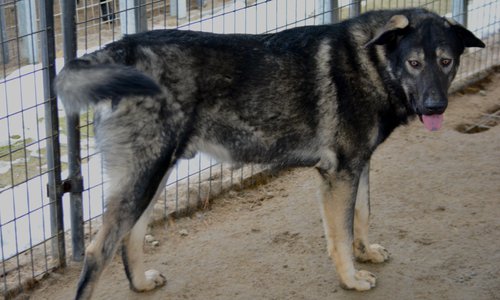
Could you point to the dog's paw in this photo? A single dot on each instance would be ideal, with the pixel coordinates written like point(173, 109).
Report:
point(155, 278)
point(152, 279)
point(373, 253)
point(362, 281)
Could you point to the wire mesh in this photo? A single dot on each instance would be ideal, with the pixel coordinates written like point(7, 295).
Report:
point(26, 247)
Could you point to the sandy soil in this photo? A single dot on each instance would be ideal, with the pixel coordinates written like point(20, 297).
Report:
point(435, 204)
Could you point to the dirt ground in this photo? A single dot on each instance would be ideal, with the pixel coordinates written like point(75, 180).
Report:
point(435, 206)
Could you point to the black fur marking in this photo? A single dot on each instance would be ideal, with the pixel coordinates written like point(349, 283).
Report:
point(124, 80)
point(90, 267)
point(126, 266)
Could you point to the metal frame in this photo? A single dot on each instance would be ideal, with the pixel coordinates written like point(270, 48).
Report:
point(75, 178)
point(52, 127)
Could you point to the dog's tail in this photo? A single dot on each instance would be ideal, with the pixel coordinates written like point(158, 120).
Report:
point(81, 83)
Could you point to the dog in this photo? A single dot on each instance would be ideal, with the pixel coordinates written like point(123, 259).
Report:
point(317, 96)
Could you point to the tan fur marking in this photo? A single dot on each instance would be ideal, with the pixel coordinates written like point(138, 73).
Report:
point(397, 22)
point(142, 280)
point(443, 53)
point(327, 94)
point(363, 250)
point(451, 21)
point(362, 211)
point(334, 201)
point(150, 279)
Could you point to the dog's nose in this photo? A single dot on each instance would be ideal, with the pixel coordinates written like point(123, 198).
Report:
point(432, 106)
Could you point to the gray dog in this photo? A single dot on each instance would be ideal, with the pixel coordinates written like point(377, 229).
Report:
point(320, 96)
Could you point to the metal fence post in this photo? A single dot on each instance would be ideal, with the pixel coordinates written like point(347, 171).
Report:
point(178, 8)
point(133, 17)
point(334, 11)
point(354, 8)
point(75, 179)
point(328, 12)
point(459, 11)
point(3, 35)
point(27, 26)
point(46, 10)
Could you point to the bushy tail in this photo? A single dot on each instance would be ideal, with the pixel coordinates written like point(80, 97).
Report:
point(81, 83)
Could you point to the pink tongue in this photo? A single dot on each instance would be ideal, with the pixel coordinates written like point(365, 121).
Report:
point(432, 122)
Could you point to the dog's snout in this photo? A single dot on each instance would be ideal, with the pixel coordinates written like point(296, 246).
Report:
point(434, 102)
point(432, 106)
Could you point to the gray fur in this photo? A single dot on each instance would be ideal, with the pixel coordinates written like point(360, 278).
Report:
point(317, 96)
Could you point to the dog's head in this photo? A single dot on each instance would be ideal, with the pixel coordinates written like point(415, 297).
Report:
point(423, 52)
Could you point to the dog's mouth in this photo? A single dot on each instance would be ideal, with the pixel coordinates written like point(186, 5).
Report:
point(432, 122)
point(432, 116)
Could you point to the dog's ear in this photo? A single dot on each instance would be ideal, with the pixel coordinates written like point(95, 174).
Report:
point(467, 37)
point(396, 24)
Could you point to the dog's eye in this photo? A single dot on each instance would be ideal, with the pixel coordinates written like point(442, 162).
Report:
point(414, 64)
point(445, 62)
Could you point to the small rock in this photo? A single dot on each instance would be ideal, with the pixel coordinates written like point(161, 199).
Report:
point(440, 208)
point(149, 238)
point(482, 93)
point(155, 243)
point(424, 241)
point(183, 232)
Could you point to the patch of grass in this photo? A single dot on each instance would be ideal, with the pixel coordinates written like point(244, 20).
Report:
point(87, 124)
point(34, 166)
point(15, 150)
point(24, 170)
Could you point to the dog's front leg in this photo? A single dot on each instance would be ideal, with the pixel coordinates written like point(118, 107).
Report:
point(363, 250)
point(338, 196)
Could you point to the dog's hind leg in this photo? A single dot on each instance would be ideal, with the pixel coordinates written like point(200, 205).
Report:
point(97, 256)
point(338, 194)
point(363, 250)
point(138, 140)
point(125, 219)
point(132, 253)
